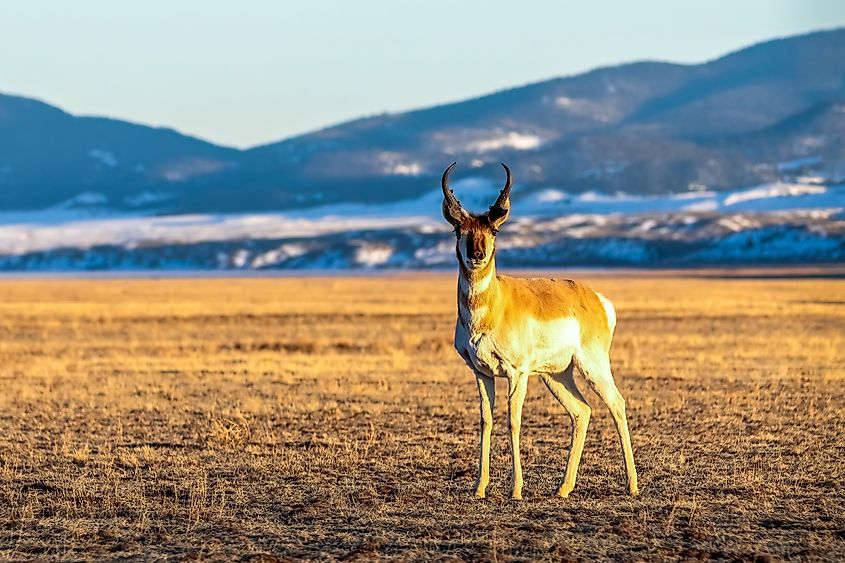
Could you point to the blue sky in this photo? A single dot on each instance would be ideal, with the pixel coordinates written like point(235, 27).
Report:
point(244, 73)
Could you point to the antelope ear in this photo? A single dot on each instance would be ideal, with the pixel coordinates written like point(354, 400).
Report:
point(455, 214)
point(498, 214)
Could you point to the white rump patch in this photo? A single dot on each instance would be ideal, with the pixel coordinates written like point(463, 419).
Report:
point(609, 310)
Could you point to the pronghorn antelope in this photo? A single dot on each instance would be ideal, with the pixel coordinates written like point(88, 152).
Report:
point(515, 327)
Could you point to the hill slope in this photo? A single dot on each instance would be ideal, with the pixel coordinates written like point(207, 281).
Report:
point(638, 128)
point(641, 128)
point(48, 156)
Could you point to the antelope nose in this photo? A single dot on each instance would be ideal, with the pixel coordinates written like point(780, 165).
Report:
point(478, 254)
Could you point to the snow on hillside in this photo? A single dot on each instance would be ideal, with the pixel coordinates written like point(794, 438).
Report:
point(477, 194)
point(512, 139)
point(793, 220)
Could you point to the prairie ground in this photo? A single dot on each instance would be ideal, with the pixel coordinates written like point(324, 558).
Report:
point(330, 418)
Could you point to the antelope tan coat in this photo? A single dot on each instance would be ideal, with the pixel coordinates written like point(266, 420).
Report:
point(515, 328)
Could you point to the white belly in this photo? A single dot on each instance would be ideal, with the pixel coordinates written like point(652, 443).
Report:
point(536, 348)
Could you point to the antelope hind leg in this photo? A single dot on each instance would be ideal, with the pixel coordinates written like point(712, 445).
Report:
point(562, 387)
point(596, 369)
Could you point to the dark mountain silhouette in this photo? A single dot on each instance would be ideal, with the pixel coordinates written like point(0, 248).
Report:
point(48, 156)
point(647, 127)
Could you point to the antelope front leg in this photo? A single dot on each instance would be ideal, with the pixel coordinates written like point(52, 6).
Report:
point(487, 397)
point(518, 385)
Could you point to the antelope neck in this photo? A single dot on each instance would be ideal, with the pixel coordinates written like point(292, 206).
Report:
point(477, 288)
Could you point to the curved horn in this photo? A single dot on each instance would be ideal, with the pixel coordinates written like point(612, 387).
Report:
point(506, 191)
point(452, 210)
point(447, 191)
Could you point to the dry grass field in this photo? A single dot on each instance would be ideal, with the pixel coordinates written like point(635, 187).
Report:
point(330, 418)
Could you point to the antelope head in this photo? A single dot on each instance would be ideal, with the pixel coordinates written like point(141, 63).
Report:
point(476, 233)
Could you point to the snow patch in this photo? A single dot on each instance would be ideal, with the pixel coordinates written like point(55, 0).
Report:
point(798, 163)
point(778, 189)
point(240, 257)
point(146, 198)
point(373, 254)
point(188, 168)
point(104, 156)
point(702, 206)
point(278, 255)
point(647, 225)
point(86, 198)
point(441, 253)
point(512, 139)
point(406, 169)
point(551, 196)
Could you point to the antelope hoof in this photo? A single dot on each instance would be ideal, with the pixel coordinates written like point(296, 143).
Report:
point(564, 490)
point(635, 492)
point(480, 492)
point(516, 495)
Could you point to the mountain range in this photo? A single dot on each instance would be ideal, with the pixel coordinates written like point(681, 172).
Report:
point(739, 160)
point(773, 111)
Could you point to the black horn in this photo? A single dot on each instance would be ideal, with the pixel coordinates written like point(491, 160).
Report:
point(506, 191)
point(447, 191)
point(452, 209)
